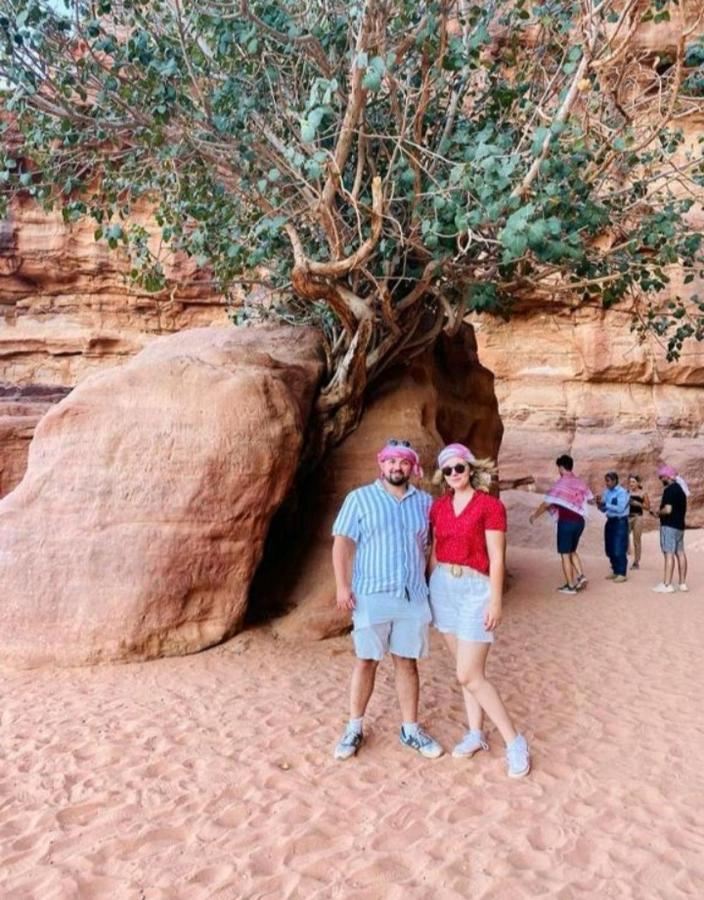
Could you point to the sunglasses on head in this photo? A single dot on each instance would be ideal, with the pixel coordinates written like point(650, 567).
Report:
point(458, 469)
point(392, 442)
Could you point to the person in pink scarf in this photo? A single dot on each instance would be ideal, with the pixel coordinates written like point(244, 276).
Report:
point(566, 501)
point(672, 512)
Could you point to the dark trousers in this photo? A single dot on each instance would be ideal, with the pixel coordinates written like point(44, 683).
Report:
point(616, 543)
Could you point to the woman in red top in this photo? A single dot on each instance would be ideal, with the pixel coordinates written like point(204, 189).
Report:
point(466, 589)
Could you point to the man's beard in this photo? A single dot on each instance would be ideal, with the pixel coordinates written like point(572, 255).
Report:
point(397, 478)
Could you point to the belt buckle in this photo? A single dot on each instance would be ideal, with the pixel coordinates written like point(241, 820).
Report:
point(455, 570)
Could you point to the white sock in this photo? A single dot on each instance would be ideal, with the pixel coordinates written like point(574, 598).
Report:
point(356, 725)
point(410, 728)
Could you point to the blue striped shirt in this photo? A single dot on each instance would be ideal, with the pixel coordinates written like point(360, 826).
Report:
point(391, 537)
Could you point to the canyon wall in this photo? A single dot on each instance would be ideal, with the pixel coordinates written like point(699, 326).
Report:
point(566, 379)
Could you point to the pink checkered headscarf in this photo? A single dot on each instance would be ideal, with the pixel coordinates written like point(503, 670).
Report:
point(399, 451)
point(454, 450)
point(665, 471)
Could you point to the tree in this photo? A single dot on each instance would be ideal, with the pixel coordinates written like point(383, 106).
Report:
point(384, 167)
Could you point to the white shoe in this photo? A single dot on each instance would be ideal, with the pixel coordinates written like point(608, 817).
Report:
point(472, 741)
point(663, 588)
point(683, 587)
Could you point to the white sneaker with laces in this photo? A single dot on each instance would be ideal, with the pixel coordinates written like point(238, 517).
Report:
point(472, 741)
point(663, 588)
point(349, 744)
point(421, 742)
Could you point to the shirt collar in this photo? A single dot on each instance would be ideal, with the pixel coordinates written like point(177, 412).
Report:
point(379, 484)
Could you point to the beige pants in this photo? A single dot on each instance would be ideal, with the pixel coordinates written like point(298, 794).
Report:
point(635, 526)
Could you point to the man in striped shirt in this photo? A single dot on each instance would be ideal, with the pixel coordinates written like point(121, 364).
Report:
point(379, 558)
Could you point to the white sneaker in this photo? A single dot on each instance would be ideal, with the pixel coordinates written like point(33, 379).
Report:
point(472, 741)
point(349, 744)
point(518, 758)
point(663, 588)
point(683, 587)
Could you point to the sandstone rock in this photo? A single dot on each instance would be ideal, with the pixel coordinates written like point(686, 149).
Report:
point(20, 411)
point(575, 382)
point(148, 495)
point(443, 396)
point(66, 305)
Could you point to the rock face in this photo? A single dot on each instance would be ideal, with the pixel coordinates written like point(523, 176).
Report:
point(443, 396)
point(576, 382)
point(20, 411)
point(67, 309)
point(148, 496)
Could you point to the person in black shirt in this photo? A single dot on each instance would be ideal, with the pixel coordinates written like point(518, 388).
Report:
point(672, 512)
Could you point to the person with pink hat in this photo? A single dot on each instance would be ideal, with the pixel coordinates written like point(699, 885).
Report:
point(466, 591)
point(672, 513)
point(379, 558)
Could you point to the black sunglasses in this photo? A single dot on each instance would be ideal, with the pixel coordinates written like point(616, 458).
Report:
point(458, 469)
point(392, 442)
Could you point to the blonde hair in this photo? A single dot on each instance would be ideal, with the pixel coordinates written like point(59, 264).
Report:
point(481, 472)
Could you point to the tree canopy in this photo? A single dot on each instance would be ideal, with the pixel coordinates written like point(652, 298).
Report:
point(383, 167)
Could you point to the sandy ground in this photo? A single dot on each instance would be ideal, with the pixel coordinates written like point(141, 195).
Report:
point(212, 775)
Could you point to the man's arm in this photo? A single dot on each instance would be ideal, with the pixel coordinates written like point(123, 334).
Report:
point(539, 511)
point(343, 550)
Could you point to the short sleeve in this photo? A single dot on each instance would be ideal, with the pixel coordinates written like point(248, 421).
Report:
point(495, 516)
point(347, 522)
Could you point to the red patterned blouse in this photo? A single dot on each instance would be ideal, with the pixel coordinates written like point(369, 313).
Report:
point(461, 539)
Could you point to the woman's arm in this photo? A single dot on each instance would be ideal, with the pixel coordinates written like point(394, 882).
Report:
point(496, 548)
point(432, 559)
point(646, 502)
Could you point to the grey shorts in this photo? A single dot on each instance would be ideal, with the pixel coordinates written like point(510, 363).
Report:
point(459, 603)
point(671, 539)
point(402, 637)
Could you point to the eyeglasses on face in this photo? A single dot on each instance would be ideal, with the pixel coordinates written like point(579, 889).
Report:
point(392, 442)
point(458, 469)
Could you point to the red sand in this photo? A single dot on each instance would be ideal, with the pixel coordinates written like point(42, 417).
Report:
point(212, 775)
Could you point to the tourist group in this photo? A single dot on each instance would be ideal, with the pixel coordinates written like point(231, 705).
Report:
point(568, 500)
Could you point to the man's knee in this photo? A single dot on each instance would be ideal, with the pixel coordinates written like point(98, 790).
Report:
point(367, 665)
point(404, 664)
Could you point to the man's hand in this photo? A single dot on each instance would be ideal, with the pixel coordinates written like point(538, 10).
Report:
point(492, 616)
point(345, 600)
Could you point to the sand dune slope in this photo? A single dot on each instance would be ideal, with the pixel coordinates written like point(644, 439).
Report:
point(211, 775)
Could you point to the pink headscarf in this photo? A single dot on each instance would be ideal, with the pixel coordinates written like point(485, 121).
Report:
point(453, 450)
point(398, 451)
point(665, 471)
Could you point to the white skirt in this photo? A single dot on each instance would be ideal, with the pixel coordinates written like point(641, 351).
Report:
point(458, 604)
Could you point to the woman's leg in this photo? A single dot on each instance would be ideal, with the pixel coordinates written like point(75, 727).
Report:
point(637, 534)
point(471, 663)
point(631, 531)
point(475, 716)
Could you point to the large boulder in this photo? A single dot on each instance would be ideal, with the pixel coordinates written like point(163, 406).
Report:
point(444, 395)
point(148, 495)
